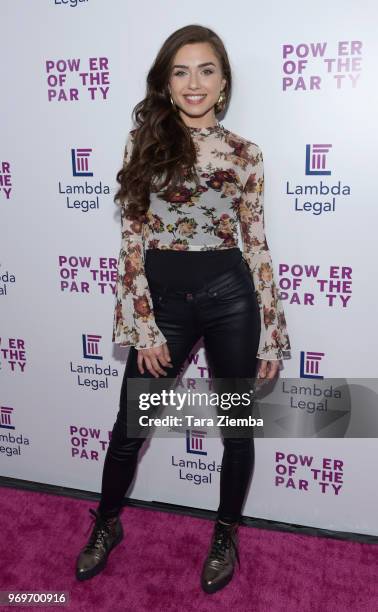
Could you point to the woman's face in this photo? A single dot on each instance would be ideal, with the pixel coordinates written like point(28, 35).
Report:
point(195, 83)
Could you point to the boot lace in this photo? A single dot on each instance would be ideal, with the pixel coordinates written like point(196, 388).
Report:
point(100, 529)
point(222, 540)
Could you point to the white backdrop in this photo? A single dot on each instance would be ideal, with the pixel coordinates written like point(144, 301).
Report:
point(304, 80)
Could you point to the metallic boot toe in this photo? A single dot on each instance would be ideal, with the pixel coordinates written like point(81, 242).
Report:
point(88, 565)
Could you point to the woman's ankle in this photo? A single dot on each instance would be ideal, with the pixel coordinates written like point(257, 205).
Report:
point(228, 522)
point(107, 513)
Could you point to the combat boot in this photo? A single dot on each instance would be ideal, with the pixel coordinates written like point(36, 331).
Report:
point(106, 534)
point(218, 567)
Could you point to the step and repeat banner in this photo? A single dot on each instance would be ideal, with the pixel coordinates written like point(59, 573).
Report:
point(305, 90)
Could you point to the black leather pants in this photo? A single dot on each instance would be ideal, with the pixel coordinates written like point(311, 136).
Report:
point(225, 313)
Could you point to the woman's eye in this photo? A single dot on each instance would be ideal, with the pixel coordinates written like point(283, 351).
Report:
point(207, 71)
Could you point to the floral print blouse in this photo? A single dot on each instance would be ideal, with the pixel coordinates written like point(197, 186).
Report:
point(230, 196)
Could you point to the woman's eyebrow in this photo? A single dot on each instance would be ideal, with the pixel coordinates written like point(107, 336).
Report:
point(199, 65)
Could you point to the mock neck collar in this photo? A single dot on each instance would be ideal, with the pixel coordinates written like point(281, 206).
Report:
point(205, 131)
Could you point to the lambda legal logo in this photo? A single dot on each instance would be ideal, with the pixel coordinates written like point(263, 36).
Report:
point(91, 344)
point(5, 417)
point(80, 165)
point(316, 158)
point(309, 364)
point(194, 441)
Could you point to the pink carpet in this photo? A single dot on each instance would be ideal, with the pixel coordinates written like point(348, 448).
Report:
point(157, 565)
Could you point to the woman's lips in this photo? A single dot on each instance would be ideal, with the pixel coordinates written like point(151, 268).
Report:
point(195, 99)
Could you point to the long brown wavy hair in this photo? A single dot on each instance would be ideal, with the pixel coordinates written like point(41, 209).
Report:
point(162, 144)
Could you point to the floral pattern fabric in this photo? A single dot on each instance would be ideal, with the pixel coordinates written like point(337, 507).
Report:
point(229, 198)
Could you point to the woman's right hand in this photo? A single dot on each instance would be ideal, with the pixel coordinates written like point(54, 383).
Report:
point(154, 358)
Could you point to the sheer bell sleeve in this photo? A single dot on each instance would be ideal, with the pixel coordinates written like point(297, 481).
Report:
point(134, 322)
point(274, 339)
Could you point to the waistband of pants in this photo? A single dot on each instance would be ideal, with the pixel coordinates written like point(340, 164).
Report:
point(209, 287)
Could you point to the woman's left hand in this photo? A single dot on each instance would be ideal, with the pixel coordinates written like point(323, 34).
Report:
point(268, 372)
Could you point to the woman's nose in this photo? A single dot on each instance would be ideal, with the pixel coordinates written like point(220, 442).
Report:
point(193, 81)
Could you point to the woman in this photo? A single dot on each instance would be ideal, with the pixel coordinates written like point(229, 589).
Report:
point(186, 185)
